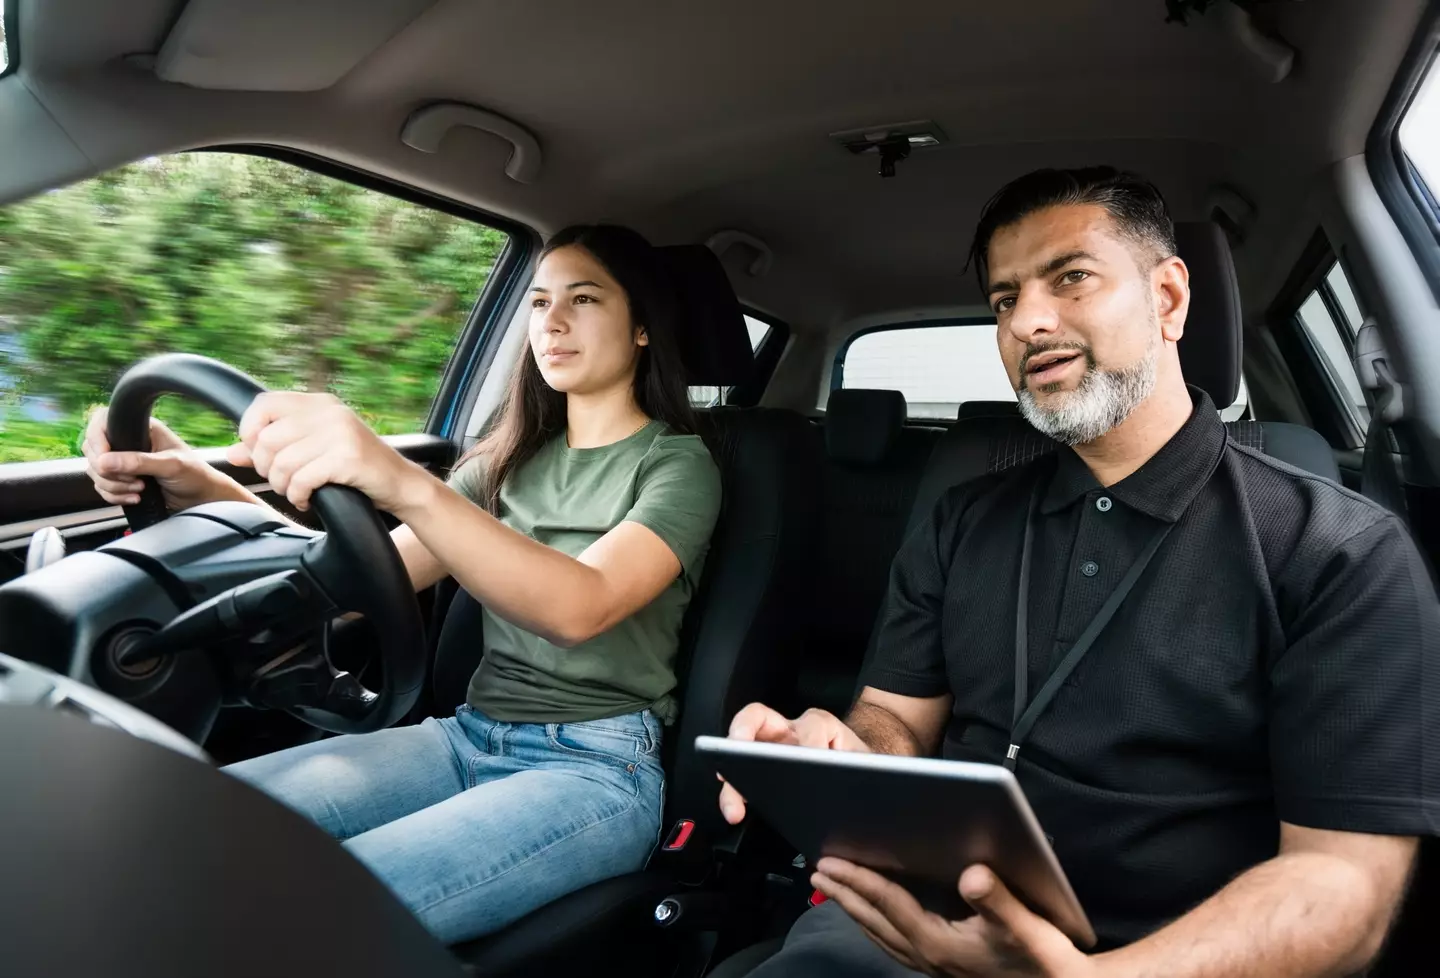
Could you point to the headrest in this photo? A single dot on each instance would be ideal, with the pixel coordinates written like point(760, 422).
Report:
point(714, 343)
point(861, 426)
point(1210, 348)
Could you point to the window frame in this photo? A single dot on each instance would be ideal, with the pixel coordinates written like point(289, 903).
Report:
point(1412, 205)
point(1323, 396)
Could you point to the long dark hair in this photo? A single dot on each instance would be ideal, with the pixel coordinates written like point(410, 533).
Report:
point(534, 412)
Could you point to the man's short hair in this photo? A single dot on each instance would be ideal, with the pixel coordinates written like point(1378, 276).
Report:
point(1133, 202)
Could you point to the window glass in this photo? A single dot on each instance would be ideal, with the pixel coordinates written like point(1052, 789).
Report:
point(1420, 131)
point(937, 368)
point(302, 280)
point(4, 42)
point(1344, 297)
point(711, 396)
point(1241, 406)
point(1324, 333)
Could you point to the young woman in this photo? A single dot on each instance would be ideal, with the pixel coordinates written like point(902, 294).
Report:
point(580, 524)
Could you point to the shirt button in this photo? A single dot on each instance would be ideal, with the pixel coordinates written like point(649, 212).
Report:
point(1103, 504)
point(1089, 568)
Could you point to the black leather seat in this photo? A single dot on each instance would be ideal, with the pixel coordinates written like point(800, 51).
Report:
point(740, 642)
point(874, 461)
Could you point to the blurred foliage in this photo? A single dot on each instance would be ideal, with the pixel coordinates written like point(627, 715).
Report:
point(301, 280)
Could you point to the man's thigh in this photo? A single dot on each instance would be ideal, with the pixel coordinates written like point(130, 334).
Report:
point(349, 785)
point(826, 943)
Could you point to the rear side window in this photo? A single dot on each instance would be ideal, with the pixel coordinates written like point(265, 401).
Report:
point(4, 40)
point(1329, 319)
point(712, 396)
point(303, 280)
point(938, 368)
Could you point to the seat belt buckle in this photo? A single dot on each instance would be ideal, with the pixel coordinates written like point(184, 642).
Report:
point(817, 898)
point(679, 835)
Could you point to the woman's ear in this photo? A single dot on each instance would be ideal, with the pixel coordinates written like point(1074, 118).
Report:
point(642, 338)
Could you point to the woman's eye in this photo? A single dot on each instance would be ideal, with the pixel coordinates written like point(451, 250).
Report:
point(584, 299)
point(538, 303)
point(1074, 277)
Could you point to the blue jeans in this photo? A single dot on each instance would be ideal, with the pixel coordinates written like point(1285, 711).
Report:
point(474, 823)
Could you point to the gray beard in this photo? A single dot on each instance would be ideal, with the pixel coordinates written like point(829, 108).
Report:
point(1097, 406)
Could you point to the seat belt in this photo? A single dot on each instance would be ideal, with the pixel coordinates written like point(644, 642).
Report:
point(1380, 477)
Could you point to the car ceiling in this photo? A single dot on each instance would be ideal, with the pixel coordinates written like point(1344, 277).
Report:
point(685, 119)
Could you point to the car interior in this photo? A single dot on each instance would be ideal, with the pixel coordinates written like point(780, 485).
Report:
point(813, 173)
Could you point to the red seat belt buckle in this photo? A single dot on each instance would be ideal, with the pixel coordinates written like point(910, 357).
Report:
point(817, 898)
point(679, 835)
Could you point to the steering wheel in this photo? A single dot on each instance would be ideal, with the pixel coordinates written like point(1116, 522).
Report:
point(291, 580)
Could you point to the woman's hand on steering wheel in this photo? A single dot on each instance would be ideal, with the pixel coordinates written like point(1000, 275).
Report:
point(184, 478)
point(300, 442)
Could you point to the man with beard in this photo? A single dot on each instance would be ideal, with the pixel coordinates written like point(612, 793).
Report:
point(1213, 674)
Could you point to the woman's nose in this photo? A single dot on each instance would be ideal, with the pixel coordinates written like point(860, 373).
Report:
point(556, 319)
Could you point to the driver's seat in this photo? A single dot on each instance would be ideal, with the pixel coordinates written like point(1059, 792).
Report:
point(741, 641)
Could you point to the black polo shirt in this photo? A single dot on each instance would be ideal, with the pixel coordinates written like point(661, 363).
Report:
point(1278, 660)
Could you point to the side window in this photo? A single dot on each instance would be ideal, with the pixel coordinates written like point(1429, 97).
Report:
point(1329, 319)
point(937, 368)
point(711, 396)
point(1420, 133)
point(303, 280)
point(4, 42)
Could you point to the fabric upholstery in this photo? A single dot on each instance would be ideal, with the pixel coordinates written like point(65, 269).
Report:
point(861, 426)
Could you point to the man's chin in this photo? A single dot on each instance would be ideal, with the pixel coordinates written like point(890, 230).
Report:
point(1054, 396)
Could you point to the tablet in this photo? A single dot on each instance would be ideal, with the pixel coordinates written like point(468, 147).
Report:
point(919, 821)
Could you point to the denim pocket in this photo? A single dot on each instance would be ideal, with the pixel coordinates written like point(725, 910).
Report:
point(598, 741)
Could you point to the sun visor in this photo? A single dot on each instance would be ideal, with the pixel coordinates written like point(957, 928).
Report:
point(277, 45)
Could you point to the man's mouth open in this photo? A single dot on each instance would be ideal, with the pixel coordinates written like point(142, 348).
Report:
point(1049, 368)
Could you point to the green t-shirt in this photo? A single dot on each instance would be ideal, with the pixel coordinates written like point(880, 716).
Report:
point(567, 498)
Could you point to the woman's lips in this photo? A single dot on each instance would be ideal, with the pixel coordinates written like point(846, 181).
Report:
point(560, 356)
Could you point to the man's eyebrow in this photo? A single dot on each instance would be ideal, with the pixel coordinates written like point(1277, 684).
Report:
point(1049, 268)
point(1060, 261)
point(1006, 286)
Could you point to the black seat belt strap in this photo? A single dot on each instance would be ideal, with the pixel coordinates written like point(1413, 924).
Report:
point(1025, 716)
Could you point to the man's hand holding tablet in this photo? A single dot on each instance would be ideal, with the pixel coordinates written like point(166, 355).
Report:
point(1003, 937)
point(813, 728)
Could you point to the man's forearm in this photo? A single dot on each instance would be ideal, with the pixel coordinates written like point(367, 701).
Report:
point(1301, 915)
point(882, 731)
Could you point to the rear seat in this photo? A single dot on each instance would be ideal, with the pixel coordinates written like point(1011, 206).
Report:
point(992, 436)
point(873, 466)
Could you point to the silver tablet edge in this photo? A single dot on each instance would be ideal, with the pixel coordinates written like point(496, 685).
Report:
point(936, 767)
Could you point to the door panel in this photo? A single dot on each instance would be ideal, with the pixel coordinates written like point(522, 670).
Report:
point(38, 494)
